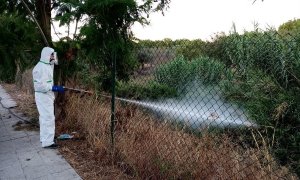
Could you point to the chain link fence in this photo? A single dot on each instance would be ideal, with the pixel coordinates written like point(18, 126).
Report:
point(222, 109)
point(225, 109)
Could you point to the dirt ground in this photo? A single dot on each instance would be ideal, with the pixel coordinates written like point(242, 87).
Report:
point(76, 151)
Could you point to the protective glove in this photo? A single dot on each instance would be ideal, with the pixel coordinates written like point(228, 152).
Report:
point(59, 89)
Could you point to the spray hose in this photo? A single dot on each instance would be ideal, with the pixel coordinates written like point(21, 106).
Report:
point(14, 114)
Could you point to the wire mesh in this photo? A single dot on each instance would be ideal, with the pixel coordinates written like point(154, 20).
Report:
point(223, 109)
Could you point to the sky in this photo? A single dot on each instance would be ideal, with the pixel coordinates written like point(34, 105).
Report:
point(201, 19)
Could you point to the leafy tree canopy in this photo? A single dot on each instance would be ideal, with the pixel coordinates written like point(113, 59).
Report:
point(106, 30)
point(18, 45)
point(291, 27)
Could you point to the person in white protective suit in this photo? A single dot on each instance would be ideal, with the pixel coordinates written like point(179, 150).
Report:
point(44, 95)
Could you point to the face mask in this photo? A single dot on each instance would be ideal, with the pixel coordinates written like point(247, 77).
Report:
point(55, 60)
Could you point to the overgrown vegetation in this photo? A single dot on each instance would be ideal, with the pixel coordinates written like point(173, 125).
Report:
point(18, 46)
point(258, 70)
point(180, 72)
point(106, 36)
point(145, 148)
point(151, 90)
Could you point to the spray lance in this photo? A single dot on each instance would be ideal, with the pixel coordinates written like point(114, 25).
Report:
point(77, 90)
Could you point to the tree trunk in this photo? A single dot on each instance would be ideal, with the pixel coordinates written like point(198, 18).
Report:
point(44, 17)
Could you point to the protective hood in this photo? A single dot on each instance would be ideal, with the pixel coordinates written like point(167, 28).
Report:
point(45, 54)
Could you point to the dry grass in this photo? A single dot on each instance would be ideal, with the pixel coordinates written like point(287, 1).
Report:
point(25, 100)
point(22, 92)
point(24, 81)
point(147, 149)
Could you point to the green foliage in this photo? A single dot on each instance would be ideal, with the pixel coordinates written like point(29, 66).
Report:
point(18, 46)
point(12, 7)
point(165, 43)
point(180, 72)
point(106, 38)
point(268, 104)
point(191, 49)
point(291, 27)
point(144, 56)
point(174, 74)
point(266, 51)
point(209, 70)
point(152, 90)
point(69, 62)
point(105, 34)
point(256, 91)
point(257, 70)
point(68, 11)
point(265, 82)
point(217, 48)
point(75, 66)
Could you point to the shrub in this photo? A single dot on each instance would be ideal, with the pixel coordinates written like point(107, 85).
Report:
point(180, 72)
point(145, 148)
point(174, 74)
point(151, 90)
point(266, 51)
point(18, 46)
point(191, 49)
point(209, 70)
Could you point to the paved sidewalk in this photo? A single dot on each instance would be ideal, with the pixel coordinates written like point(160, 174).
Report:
point(21, 155)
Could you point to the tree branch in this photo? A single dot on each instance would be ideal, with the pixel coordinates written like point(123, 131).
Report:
point(36, 22)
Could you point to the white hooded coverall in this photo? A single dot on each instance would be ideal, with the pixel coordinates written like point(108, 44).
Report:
point(44, 97)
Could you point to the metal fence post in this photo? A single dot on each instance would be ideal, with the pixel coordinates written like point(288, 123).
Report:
point(113, 95)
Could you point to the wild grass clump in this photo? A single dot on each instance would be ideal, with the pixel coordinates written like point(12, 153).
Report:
point(89, 118)
point(266, 82)
point(24, 81)
point(150, 90)
point(146, 148)
point(174, 74)
point(180, 72)
point(259, 71)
